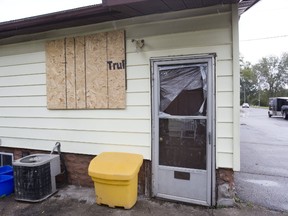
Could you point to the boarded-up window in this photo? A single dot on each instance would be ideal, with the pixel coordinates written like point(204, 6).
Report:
point(86, 72)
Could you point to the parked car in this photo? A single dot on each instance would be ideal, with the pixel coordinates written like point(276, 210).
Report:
point(245, 105)
point(284, 111)
point(278, 106)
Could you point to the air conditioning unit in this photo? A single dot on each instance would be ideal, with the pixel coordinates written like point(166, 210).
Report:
point(34, 177)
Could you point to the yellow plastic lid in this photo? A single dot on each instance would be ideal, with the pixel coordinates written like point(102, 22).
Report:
point(115, 166)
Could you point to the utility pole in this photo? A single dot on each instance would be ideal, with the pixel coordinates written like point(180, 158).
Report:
point(259, 90)
point(259, 98)
point(244, 93)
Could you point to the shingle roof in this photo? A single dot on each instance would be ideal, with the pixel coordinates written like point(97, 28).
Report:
point(107, 11)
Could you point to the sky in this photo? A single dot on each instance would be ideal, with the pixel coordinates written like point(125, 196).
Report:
point(262, 29)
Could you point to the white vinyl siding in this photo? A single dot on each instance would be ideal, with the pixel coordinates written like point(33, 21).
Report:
point(25, 121)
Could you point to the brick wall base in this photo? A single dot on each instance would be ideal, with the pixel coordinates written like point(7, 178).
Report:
point(77, 169)
point(225, 187)
point(77, 174)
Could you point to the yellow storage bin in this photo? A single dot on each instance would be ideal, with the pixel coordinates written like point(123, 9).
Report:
point(115, 177)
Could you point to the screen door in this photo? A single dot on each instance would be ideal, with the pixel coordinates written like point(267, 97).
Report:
point(182, 129)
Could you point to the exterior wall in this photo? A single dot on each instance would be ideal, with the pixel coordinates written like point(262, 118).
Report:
point(77, 169)
point(25, 121)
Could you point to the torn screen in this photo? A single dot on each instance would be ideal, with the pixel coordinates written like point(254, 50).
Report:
point(182, 143)
point(183, 89)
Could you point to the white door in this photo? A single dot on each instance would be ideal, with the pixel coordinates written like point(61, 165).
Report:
point(183, 112)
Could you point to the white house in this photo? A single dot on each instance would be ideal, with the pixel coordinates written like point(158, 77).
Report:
point(154, 77)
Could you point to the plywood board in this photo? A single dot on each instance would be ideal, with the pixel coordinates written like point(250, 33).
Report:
point(80, 73)
point(87, 72)
point(116, 69)
point(55, 68)
point(96, 71)
point(70, 73)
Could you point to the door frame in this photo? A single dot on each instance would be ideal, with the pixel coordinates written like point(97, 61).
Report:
point(211, 121)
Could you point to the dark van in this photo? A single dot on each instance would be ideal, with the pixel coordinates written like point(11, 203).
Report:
point(278, 106)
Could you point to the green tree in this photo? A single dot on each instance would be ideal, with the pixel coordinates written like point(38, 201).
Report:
point(248, 83)
point(272, 73)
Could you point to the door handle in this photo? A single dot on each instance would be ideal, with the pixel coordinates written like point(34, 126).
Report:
point(209, 138)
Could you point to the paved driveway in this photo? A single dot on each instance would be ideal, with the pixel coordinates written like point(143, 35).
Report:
point(263, 178)
point(75, 201)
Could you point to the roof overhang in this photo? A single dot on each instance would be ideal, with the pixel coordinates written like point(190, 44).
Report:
point(245, 5)
point(109, 10)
